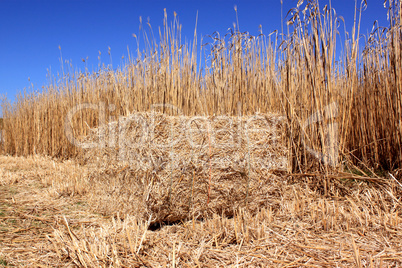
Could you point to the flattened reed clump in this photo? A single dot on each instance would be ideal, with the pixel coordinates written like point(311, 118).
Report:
point(178, 167)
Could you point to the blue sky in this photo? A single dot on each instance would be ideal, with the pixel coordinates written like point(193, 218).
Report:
point(32, 30)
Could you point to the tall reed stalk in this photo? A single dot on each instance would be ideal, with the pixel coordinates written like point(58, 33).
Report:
point(296, 75)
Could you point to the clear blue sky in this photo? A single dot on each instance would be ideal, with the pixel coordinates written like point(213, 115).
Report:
point(31, 31)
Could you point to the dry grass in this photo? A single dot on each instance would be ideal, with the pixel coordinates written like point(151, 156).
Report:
point(36, 193)
point(295, 75)
point(178, 168)
point(46, 222)
point(220, 194)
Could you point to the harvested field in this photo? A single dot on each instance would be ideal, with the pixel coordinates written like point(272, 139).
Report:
point(48, 219)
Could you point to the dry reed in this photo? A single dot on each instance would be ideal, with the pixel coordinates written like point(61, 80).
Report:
point(295, 75)
point(176, 168)
point(166, 143)
point(47, 220)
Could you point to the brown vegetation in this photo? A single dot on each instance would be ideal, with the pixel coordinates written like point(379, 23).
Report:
point(295, 75)
point(140, 199)
point(182, 169)
point(48, 218)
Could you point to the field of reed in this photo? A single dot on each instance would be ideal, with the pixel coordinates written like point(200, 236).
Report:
point(296, 75)
point(282, 149)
